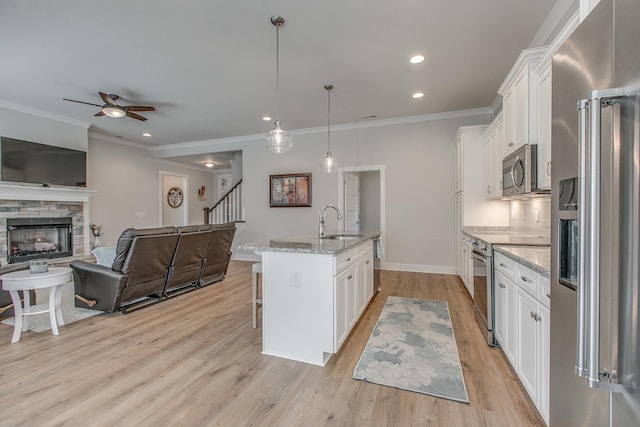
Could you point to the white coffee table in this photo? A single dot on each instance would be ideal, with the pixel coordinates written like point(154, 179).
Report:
point(24, 281)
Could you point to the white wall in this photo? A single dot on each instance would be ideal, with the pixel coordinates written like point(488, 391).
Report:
point(418, 158)
point(127, 184)
point(30, 127)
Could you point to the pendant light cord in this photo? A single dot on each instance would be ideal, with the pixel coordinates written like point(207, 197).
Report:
point(329, 118)
point(278, 73)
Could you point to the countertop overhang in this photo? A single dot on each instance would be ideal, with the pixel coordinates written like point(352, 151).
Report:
point(309, 244)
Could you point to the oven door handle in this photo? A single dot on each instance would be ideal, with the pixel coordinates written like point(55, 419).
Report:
point(479, 257)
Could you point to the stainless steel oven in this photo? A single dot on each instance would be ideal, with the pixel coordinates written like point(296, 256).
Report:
point(483, 288)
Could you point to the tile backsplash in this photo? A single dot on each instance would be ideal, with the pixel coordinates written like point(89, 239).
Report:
point(531, 214)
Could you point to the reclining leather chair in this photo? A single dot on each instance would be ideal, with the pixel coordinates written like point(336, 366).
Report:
point(186, 264)
point(139, 271)
point(219, 254)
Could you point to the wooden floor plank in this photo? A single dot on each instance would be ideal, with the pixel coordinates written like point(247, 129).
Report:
point(196, 360)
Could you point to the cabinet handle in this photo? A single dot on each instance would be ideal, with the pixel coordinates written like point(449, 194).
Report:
point(489, 189)
point(511, 144)
point(533, 315)
point(367, 262)
point(549, 168)
point(501, 285)
point(548, 295)
point(348, 259)
point(502, 264)
point(525, 279)
point(349, 277)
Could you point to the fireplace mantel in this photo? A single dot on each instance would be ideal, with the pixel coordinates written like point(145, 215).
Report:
point(10, 191)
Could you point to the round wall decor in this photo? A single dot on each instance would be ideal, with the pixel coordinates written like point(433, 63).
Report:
point(175, 197)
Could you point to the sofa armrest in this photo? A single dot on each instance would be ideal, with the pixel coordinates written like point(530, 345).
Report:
point(94, 282)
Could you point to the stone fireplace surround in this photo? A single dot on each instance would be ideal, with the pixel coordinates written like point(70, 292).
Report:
point(24, 201)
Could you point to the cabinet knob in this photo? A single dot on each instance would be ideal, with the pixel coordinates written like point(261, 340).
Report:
point(503, 265)
point(511, 144)
point(549, 296)
point(525, 279)
point(501, 285)
point(349, 277)
point(348, 259)
point(533, 315)
point(489, 189)
point(367, 262)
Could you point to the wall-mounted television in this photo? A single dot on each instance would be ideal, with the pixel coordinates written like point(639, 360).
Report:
point(30, 162)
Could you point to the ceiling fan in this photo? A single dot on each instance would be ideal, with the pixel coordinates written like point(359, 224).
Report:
point(112, 109)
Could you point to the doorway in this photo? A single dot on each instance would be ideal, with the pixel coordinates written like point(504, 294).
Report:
point(174, 205)
point(361, 196)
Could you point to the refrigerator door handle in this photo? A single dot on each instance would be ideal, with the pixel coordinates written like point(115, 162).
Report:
point(588, 359)
point(583, 202)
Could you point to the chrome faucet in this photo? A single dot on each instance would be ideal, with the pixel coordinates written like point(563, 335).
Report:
point(321, 216)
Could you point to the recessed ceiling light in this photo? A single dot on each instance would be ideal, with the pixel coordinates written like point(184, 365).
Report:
point(418, 95)
point(266, 118)
point(209, 164)
point(146, 134)
point(416, 59)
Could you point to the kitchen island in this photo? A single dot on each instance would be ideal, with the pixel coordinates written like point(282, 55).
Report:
point(314, 290)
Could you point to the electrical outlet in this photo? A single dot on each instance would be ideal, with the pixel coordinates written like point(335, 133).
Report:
point(296, 281)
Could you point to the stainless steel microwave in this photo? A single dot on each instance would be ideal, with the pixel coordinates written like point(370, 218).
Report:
point(519, 176)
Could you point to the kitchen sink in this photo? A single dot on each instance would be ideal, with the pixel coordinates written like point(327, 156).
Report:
point(342, 236)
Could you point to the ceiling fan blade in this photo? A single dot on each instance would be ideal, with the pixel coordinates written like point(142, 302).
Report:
point(99, 114)
point(140, 108)
point(81, 102)
point(135, 116)
point(107, 99)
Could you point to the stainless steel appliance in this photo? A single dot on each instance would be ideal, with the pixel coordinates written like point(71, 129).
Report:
point(483, 286)
point(519, 176)
point(483, 293)
point(595, 233)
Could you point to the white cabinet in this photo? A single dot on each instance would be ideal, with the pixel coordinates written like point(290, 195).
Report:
point(471, 207)
point(519, 101)
point(544, 127)
point(522, 325)
point(353, 289)
point(492, 155)
point(505, 316)
point(311, 301)
point(467, 265)
point(364, 278)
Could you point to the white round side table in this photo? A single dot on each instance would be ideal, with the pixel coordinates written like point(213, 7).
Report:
point(24, 281)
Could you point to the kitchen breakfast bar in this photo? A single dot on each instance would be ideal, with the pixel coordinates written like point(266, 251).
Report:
point(314, 290)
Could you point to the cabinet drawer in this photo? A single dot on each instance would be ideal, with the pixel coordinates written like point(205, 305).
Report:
point(544, 291)
point(527, 279)
point(365, 249)
point(505, 265)
point(344, 259)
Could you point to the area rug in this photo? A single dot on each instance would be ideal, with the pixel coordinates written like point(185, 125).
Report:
point(412, 347)
point(70, 313)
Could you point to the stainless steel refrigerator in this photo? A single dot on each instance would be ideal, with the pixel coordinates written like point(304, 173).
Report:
point(595, 236)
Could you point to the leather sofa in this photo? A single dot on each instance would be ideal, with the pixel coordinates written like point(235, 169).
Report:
point(152, 265)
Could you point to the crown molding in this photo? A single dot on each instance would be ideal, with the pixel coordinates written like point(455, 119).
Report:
point(44, 114)
point(117, 140)
point(184, 165)
point(323, 129)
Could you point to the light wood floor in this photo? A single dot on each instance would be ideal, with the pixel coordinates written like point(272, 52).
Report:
point(195, 361)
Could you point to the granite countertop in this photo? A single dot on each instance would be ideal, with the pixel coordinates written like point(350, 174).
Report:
point(509, 236)
point(537, 258)
point(309, 244)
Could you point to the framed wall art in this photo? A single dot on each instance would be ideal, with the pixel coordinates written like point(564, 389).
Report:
point(290, 191)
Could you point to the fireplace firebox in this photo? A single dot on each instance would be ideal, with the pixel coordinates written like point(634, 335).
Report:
point(31, 238)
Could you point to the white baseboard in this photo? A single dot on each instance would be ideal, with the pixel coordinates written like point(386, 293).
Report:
point(420, 268)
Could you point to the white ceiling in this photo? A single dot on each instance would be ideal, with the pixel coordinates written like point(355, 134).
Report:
point(209, 66)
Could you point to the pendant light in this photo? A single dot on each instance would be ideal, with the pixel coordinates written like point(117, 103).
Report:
point(329, 164)
point(278, 140)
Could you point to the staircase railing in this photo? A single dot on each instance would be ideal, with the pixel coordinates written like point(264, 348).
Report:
point(227, 209)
